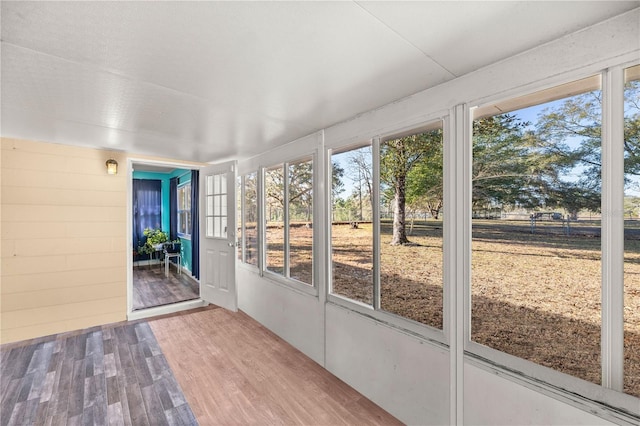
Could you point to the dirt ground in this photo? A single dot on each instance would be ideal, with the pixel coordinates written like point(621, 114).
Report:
point(533, 296)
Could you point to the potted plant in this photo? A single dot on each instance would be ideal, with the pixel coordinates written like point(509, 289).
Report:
point(155, 241)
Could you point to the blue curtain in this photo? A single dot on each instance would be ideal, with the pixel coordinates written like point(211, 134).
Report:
point(195, 224)
point(147, 208)
point(173, 208)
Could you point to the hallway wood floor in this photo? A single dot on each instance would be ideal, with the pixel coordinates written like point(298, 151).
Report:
point(234, 371)
point(152, 288)
point(103, 375)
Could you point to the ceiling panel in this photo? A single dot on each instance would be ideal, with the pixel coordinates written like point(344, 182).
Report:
point(209, 81)
point(463, 36)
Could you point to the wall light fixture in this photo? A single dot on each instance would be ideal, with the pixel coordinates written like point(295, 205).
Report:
point(112, 167)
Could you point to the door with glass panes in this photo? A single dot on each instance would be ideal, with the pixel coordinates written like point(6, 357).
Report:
point(217, 236)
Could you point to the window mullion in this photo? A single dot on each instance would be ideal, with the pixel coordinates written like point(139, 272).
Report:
point(243, 228)
point(612, 338)
point(261, 224)
point(458, 163)
point(375, 212)
point(285, 219)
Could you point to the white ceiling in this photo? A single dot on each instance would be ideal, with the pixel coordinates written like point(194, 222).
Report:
point(209, 81)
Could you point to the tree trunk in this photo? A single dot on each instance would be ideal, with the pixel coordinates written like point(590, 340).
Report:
point(399, 228)
point(435, 210)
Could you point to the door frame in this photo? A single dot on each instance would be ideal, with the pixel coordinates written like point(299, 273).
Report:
point(158, 310)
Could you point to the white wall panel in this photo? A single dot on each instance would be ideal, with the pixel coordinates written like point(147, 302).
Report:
point(296, 317)
point(493, 400)
point(405, 375)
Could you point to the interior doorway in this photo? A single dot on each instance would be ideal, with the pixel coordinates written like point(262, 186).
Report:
point(163, 243)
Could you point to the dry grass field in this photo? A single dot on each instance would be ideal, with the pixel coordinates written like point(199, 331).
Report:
point(535, 296)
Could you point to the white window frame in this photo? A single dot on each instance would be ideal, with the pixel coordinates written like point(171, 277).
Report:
point(435, 336)
point(242, 244)
point(284, 278)
point(544, 379)
point(187, 235)
point(217, 197)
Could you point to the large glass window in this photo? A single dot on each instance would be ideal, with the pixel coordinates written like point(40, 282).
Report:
point(288, 191)
point(632, 231)
point(407, 280)
point(536, 256)
point(250, 218)
point(411, 207)
point(247, 216)
point(352, 224)
point(184, 210)
point(239, 224)
point(274, 218)
point(301, 220)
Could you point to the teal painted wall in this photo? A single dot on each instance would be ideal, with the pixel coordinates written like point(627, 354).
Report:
point(184, 176)
point(185, 253)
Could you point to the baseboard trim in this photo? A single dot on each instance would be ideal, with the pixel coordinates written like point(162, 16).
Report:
point(166, 309)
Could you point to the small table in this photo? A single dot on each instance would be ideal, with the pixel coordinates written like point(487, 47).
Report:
point(167, 257)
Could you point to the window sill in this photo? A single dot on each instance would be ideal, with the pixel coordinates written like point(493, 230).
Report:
point(247, 266)
point(421, 331)
point(184, 237)
point(291, 284)
point(614, 406)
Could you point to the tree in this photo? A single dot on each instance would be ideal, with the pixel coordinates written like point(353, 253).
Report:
point(425, 182)
point(572, 131)
point(337, 186)
point(251, 198)
point(397, 159)
point(274, 191)
point(505, 166)
point(574, 197)
point(362, 175)
point(300, 183)
point(301, 190)
point(632, 131)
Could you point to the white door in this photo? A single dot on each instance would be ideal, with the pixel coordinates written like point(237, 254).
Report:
point(217, 236)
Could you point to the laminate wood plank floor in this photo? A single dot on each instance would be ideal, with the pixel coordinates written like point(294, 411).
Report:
point(113, 375)
point(234, 371)
point(152, 288)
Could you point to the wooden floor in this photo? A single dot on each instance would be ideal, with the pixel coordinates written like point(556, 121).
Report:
point(105, 375)
point(234, 371)
point(207, 366)
point(151, 287)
